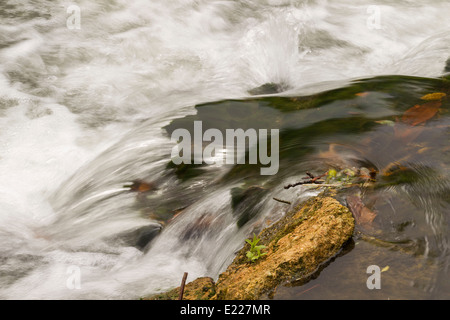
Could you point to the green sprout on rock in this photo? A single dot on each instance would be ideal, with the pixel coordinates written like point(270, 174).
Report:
point(255, 251)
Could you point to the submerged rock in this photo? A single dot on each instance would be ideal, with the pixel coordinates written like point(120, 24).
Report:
point(268, 88)
point(140, 237)
point(447, 66)
point(246, 203)
point(296, 246)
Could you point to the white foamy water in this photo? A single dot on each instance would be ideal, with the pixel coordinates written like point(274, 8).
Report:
point(82, 111)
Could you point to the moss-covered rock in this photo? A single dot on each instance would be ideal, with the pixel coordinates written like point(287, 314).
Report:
point(297, 245)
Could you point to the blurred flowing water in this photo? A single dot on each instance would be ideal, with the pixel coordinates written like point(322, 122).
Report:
point(85, 111)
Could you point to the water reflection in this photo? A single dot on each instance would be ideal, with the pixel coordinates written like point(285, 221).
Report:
point(362, 125)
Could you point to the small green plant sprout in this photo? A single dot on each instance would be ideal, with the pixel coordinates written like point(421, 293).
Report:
point(255, 251)
point(331, 175)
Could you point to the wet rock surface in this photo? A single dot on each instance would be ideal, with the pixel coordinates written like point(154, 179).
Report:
point(296, 246)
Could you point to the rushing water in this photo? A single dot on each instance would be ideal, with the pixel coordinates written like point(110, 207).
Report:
point(85, 111)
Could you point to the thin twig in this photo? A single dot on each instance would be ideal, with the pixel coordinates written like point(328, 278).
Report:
point(326, 185)
point(183, 282)
point(298, 183)
point(315, 286)
point(313, 180)
point(318, 177)
point(283, 201)
point(310, 175)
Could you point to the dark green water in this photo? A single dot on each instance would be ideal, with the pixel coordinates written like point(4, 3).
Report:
point(412, 204)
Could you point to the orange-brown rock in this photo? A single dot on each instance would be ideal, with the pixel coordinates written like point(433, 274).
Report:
point(297, 245)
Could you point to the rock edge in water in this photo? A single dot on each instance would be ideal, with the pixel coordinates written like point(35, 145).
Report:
point(297, 245)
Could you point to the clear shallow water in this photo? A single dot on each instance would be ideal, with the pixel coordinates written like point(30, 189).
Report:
point(84, 111)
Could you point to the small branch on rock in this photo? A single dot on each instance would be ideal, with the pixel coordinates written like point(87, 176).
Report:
point(310, 175)
point(183, 283)
point(312, 180)
point(282, 201)
point(318, 177)
point(327, 185)
point(308, 289)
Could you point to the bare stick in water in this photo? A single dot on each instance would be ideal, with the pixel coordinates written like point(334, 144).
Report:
point(283, 201)
point(312, 180)
point(183, 282)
